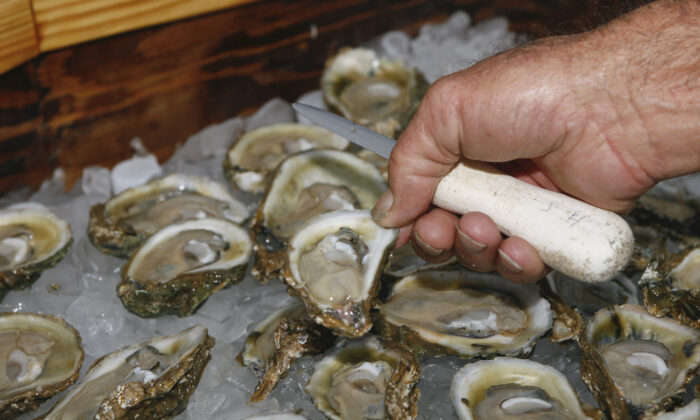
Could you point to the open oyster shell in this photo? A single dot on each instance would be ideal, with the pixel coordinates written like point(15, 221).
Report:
point(32, 239)
point(636, 364)
point(303, 186)
point(464, 313)
point(278, 341)
point(151, 380)
point(405, 262)
point(180, 266)
point(119, 225)
point(259, 151)
point(334, 265)
point(508, 388)
point(366, 380)
point(375, 92)
point(688, 412)
point(40, 356)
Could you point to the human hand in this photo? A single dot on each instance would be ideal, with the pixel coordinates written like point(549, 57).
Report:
point(560, 114)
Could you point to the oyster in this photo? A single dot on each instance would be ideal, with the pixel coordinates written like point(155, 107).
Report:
point(119, 225)
point(32, 239)
point(568, 323)
point(377, 161)
point(464, 313)
point(180, 266)
point(305, 185)
point(366, 380)
point(335, 262)
point(636, 364)
point(259, 151)
point(372, 91)
point(278, 341)
point(688, 412)
point(40, 356)
point(151, 380)
point(508, 388)
point(405, 262)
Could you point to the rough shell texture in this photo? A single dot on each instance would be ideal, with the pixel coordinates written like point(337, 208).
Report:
point(568, 323)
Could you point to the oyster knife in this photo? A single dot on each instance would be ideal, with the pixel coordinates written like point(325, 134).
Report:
point(573, 237)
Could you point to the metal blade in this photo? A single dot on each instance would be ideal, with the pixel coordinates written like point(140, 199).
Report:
point(361, 136)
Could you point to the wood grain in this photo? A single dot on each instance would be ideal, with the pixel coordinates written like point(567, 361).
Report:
point(18, 41)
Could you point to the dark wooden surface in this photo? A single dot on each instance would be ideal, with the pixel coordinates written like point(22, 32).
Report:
point(81, 106)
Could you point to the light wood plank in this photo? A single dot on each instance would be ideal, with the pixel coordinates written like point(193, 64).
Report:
point(62, 23)
point(18, 41)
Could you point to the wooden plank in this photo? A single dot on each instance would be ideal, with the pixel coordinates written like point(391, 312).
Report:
point(62, 23)
point(18, 41)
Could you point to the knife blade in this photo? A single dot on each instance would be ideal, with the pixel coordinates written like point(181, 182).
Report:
point(573, 237)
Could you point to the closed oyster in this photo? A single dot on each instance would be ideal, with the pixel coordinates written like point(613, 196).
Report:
point(636, 364)
point(278, 341)
point(366, 380)
point(335, 262)
point(180, 266)
point(507, 388)
point(375, 92)
point(465, 314)
point(303, 186)
point(151, 380)
point(119, 225)
point(32, 239)
point(40, 356)
point(259, 151)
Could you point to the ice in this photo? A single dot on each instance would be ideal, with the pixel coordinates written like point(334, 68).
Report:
point(214, 140)
point(134, 172)
point(100, 319)
point(395, 45)
point(273, 112)
point(96, 184)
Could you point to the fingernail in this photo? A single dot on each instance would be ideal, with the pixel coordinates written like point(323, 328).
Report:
point(509, 264)
point(382, 207)
point(427, 249)
point(469, 244)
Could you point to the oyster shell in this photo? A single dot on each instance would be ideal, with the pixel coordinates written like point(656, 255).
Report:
point(278, 341)
point(636, 364)
point(366, 380)
point(259, 151)
point(568, 323)
point(335, 262)
point(305, 185)
point(508, 388)
point(40, 356)
point(372, 91)
point(32, 239)
point(151, 380)
point(688, 412)
point(119, 225)
point(405, 262)
point(180, 266)
point(464, 313)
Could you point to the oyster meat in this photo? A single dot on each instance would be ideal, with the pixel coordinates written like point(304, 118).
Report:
point(636, 364)
point(259, 151)
point(303, 186)
point(334, 264)
point(278, 341)
point(40, 356)
point(464, 313)
point(507, 388)
point(32, 239)
point(151, 380)
point(372, 91)
point(366, 380)
point(180, 266)
point(122, 223)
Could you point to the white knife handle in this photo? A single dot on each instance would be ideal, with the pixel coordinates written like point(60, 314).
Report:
point(572, 237)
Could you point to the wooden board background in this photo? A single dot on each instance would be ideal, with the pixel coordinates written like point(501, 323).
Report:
point(80, 106)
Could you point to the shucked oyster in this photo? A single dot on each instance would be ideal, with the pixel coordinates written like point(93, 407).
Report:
point(151, 380)
point(335, 262)
point(372, 91)
point(365, 380)
point(180, 266)
point(278, 341)
point(506, 388)
point(259, 151)
point(636, 364)
point(32, 239)
point(40, 356)
point(464, 313)
point(122, 223)
point(305, 185)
